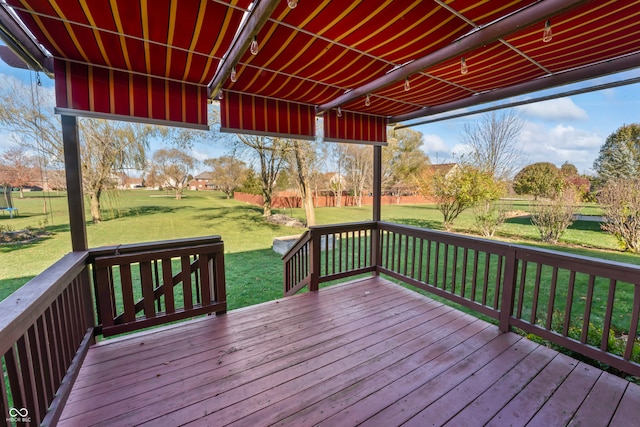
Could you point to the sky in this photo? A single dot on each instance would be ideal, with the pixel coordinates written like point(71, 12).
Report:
point(569, 129)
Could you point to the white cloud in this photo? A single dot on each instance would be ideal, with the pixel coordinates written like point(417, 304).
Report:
point(559, 144)
point(555, 109)
point(436, 148)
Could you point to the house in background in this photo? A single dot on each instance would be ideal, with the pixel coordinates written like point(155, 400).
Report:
point(202, 181)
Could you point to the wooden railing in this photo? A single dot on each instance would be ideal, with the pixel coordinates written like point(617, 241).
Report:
point(149, 284)
point(48, 325)
point(46, 328)
point(587, 305)
point(342, 251)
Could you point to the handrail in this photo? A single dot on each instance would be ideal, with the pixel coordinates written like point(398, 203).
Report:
point(46, 328)
point(571, 301)
point(177, 279)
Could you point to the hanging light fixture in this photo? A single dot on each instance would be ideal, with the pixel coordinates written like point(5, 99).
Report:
point(339, 112)
point(407, 86)
point(254, 46)
point(292, 3)
point(234, 75)
point(463, 67)
point(546, 34)
point(367, 100)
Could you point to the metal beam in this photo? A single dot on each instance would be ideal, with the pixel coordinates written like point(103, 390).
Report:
point(257, 18)
point(481, 37)
point(573, 76)
point(73, 171)
point(22, 44)
point(633, 80)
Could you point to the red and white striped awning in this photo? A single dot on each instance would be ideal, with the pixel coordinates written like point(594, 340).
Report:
point(160, 61)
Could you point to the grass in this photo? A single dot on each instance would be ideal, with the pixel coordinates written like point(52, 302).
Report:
point(254, 271)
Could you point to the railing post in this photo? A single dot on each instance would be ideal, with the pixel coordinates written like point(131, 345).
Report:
point(314, 257)
point(508, 289)
point(375, 248)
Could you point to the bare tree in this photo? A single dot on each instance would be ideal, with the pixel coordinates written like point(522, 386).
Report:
point(170, 168)
point(270, 153)
point(302, 160)
point(359, 164)
point(228, 173)
point(492, 143)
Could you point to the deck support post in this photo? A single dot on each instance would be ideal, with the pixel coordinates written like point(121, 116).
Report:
point(377, 202)
point(508, 290)
point(73, 171)
point(314, 257)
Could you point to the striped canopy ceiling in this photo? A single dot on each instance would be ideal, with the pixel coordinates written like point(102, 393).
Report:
point(363, 62)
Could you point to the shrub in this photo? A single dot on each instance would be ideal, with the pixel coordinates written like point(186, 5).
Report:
point(488, 217)
point(552, 218)
point(620, 202)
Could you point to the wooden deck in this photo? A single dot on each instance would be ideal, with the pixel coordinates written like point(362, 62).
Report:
point(368, 352)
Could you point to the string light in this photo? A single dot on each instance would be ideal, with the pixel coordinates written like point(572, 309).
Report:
point(234, 75)
point(463, 66)
point(546, 34)
point(407, 86)
point(339, 112)
point(254, 46)
point(292, 3)
point(367, 100)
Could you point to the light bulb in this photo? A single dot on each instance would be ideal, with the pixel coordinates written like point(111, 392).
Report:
point(234, 75)
point(463, 67)
point(254, 46)
point(292, 3)
point(546, 34)
point(367, 100)
point(407, 86)
point(220, 96)
point(339, 112)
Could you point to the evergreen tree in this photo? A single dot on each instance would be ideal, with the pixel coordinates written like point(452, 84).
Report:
point(620, 154)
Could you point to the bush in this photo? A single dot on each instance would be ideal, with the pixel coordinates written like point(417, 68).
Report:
point(488, 217)
point(552, 218)
point(620, 202)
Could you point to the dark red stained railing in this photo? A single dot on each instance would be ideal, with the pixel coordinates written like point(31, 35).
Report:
point(48, 325)
point(149, 284)
point(588, 305)
point(46, 328)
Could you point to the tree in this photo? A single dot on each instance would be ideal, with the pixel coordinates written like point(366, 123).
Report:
point(270, 153)
point(492, 143)
point(106, 147)
point(170, 168)
point(403, 161)
point(568, 170)
point(619, 156)
point(620, 202)
point(301, 160)
point(359, 164)
point(227, 173)
point(458, 190)
point(541, 179)
point(18, 168)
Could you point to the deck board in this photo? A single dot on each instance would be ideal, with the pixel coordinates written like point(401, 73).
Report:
point(367, 352)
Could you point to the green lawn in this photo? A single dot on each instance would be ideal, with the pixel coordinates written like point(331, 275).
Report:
point(254, 271)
